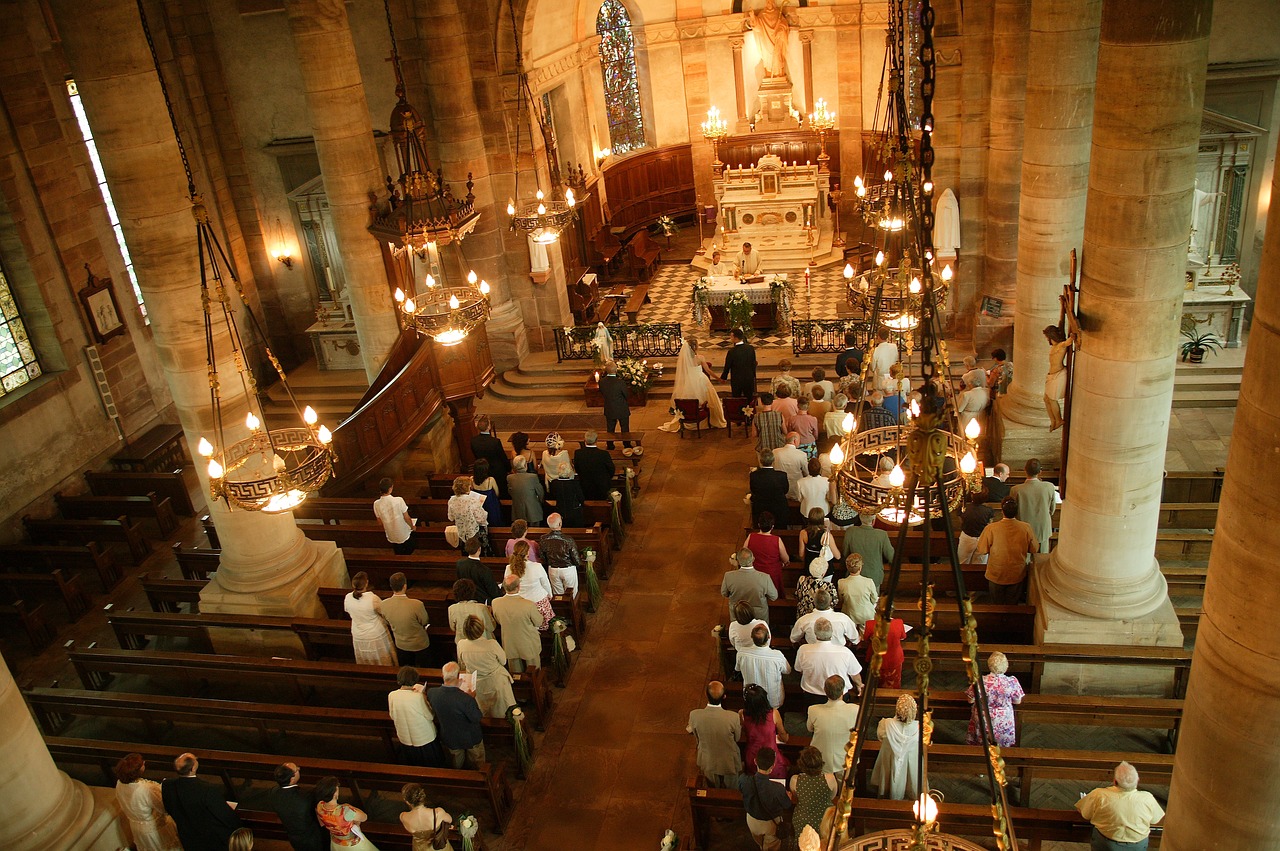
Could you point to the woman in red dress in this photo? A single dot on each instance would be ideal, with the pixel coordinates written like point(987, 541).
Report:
point(891, 665)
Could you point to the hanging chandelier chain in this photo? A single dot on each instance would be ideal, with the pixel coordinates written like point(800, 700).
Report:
point(395, 51)
point(168, 104)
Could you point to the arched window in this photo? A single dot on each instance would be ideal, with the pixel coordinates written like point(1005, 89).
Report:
point(18, 363)
point(621, 84)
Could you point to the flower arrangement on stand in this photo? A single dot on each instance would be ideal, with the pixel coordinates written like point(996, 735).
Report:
point(639, 375)
point(666, 226)
point(781, 293)
point(738, 311)
point(701, 301)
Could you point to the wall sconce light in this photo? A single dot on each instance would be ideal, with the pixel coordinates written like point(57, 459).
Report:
point(279, 251)
point(602, 155)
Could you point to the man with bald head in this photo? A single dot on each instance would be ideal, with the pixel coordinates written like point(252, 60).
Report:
point(718, 731)
point(204, 817)
point(459, 716)
point(519, 620)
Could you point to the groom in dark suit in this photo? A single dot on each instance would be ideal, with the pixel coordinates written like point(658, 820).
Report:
point(740, 367)
point(200, 810)
point(613, 390)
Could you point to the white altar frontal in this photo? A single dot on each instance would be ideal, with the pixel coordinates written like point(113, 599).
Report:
point(780, 208)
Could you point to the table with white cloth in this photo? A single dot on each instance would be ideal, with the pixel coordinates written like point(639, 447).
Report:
point(720, 287)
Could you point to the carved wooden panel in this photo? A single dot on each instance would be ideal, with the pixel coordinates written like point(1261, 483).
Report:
point(650, 184)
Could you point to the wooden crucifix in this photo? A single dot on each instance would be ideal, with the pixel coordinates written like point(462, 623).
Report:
point(1068, 312)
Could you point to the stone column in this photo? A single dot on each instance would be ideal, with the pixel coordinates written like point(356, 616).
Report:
point(45, 809)
point(971, 174)
point(1102, 583)
point(349, 162)
point(1004, 168)
point(1228, 720)
point(850, 93)
point(267, 566)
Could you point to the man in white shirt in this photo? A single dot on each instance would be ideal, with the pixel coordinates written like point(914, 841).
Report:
point(747, 261)
point(414, 721)
point(718, 266)
point(843, 629)
point(830, 724)
point(393, 513)
point(883, 356)
point(1121, 814)
point(790, 459)
point(822, 659)
point(764, 666)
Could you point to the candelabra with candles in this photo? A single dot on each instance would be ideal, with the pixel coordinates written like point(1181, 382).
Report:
point(714, 130)
point(822, 121)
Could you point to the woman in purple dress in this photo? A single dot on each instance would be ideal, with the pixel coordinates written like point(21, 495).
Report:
point(1003, 692)
point(762, 728)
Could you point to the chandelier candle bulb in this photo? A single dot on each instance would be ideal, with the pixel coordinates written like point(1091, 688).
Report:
point(926, 809)
point(399, 296)
point(215, 469)
point(309, 415)
point(568, 197)
point(409, 306)
point(879, 258)
point(542, 209)
point(511, 208)
point(947, 274)
point(972, 430)
point(324, 435)
point(205, 448)
point(848, 271)
point(484, 288)
point(539, 195)
point(837, 455)
point(251, 422)
point(897, 478)
point(431, 281)
point(848, 423)
point(472, 277)
point(968, 464)
point(453, 302)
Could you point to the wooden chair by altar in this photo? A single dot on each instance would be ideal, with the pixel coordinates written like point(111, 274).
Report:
point(693, 414)
point(737, 411)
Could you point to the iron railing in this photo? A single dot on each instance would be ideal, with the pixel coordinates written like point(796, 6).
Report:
point(646, 340)
point(815, 336)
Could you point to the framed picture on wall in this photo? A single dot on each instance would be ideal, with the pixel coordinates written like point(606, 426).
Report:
point(98, 297)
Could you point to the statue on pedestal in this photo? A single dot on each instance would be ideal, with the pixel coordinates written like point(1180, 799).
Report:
point(772, 32)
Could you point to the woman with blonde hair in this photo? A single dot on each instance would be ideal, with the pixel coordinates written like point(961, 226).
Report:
point(535, 585)
point(241, 840)
point(1003, 691)
point(370, 636)
point(485, 658)
point(895, 773)
point(468, 515)
point(152, 828)
point(422, 821)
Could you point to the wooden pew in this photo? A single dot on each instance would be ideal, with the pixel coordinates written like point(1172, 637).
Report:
point(67, 587)
point(169, 485)
point(150, 507)
point(234, 768)
point(310, 681)
point(29, 558)
point(32, 621)
point(643, 254)
point(159, 449)
point(133, 630)
point(387, 836)
point(56, 531)
point(996, 623)
point(166, 595)
point(437, 600)
point(639, 298)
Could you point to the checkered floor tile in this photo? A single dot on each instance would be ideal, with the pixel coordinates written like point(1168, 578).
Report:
point(671, 289)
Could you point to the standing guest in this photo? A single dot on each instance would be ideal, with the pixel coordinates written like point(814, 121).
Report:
point(407, 618)
point(595, 468)
point(762, 727)
point(483, 484)
point(422, 821)
point(784, 378)
point(740, 366)
point(972, 401)
point(769, 551)
point(1007, 543)
point(808, 587)
point(519, 619)
point(459, 717)
point(747, 263)
point(971, 369)
point(891, 662)
point(765, 801)
point(995, 487)
point(898, 384)
point(717, 732)
point(1036, 501)
point(830, 724)
point(570, 501)
point(875, 415)
point(471, 567)
point(874, 547)
point(369, 634)
point(414, 722)
point(520, 449)
point(141, 802)
point(560, 554)
point(824, 658)
point(805, 425)
point(843, 629)
point(469, 604)
point(820, 380)
point(858, 594)
point(814, 491)
point(555, 459)
point(485, 658)
point(527, 492)
point(1121, 814)
point(883, 356)
point(814, 789)
point(297, 811)
point(787, 405)
point(792, 460)
point(1003, 691)
point(533, 583)
point(519, 533)
point(393, 513)
point(833, 422)
point(748, 585)
point(744, 622)
point(617, 410)
point(896, 773)
point(203, 816)
point(466, 512)
point(485, 445)
point(895, 406)
point(973, 520)
point(849, 362)
point(341, 820)
point(763, 666)
point(769, 433)
point(769, 491)
point(999, 377)
point(241, 840)
point(816, 540)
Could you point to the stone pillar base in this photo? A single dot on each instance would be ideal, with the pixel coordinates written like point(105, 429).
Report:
point(1056, 625)
point(508, 340)
point(327, 568)
point(97, 824)
point(1022, 442)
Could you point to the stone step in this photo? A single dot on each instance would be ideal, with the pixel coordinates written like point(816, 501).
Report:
point(1206, 398)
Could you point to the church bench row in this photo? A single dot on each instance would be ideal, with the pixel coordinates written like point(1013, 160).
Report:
point(147, 507)
point(161, 448)
point(996, 623)
point(1177, 485)
point(168, 485)
point(31, 619)
point(54, 582)
point(30, 558)
point(235, 768)
point(386, 836)
point(309, 681)
point(53, 530)
point(1173, 515)
point(56, 708)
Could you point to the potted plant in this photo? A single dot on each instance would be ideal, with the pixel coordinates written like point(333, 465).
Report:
point(1197, 344)
point(666, 226)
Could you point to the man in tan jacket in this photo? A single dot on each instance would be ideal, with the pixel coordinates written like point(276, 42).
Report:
point(407, 618)
point(519, 620)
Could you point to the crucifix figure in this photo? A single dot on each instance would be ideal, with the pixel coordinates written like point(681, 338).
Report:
point(1061, 345)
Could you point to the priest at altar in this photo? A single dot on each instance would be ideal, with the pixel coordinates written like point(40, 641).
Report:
point(747, 262)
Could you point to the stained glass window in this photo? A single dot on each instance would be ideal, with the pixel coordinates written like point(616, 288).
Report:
point(621, 82)
point(18, 363)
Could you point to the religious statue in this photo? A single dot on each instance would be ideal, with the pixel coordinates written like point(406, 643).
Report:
point(772, 31)
point(1055, 383)
point(1201, 207)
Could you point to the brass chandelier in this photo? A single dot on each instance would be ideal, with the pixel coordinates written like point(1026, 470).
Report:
point(271, 470)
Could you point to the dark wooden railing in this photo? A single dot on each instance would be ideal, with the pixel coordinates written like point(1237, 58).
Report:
point(651, 340)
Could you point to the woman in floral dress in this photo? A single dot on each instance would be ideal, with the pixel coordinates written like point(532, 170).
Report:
point(341, 820)
point(1003, 692)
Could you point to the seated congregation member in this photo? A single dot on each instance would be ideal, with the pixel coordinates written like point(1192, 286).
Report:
point(763, 666)
point(1007, 543)
point(471, 567)
point(1121, 814)
point(458, 715)
point(808, 587)
point(824, 658)
point(769, 551)
point(787, 404)
point(996, 486)
point(414, 722)
point(747, 585)
point(520, 620)
point(896, 773)
point(814, 491)
point(466, 512)
point(820, 380)
point(408, 621)
point(762, 727)
point(717, 732)
point(485, 658)
point(520, 449)
point(1003, 691)
point(805, 426)
point(484, 486)
point(816, 540)
point(833, 422)
point(891, 663)
point(972, 401)
point(341, 820)
point(769, 491)
point(874, 415)
point(740, 628)
point(831, 722)
point(821, 405)
point(843, 630)
point(204, 817)
point(469, 603)
point(527, 493)
point(784, 378)
point(560, 555)
point(370, 637)
point(858, 594)
point(520, 532)
point(141, 802)
point(769, 431)
point(813, 788)
point(423, 821)
point(765, 801)
point(790, 459)
point(533, 583)
point(241, 840)
point(393, 513)
point(566, 492)
point(297, 810)
point(595, 468)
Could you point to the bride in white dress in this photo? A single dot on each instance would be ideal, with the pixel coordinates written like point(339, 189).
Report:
point(693, 381)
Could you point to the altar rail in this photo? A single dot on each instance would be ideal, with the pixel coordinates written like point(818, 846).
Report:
point(815, 336)
point(648, 340)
